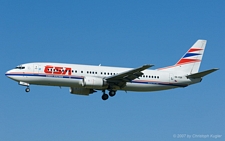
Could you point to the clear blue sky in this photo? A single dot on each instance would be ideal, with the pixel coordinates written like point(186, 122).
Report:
point(113, 33)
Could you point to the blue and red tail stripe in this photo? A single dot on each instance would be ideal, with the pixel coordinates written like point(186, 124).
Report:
point(191, 54)
point(186, 61)
point(194, 49)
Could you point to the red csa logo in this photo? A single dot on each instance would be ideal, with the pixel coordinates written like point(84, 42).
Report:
point(57, 70)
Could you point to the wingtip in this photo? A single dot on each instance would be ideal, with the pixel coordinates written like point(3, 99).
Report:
point(202, 40)
point(148, 65)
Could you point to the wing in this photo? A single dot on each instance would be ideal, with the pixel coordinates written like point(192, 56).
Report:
point(127, 76)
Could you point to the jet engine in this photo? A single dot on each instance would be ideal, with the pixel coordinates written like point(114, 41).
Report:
point(94, 83)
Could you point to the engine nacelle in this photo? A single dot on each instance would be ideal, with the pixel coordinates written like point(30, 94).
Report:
point(94, 83)
point(81, 91)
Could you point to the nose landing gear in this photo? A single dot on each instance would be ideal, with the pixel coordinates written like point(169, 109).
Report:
point(27, 89)
point(25, 84)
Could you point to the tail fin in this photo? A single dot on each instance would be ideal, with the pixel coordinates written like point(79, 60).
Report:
point(191, 61)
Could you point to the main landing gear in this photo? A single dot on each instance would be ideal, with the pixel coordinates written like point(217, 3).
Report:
point(106, 96)
point(112, 93)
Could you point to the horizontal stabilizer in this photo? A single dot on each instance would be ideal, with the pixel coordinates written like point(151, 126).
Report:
point(202, 74)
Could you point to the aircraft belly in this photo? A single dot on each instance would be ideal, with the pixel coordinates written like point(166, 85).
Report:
point(146, 87)
point(53, 81)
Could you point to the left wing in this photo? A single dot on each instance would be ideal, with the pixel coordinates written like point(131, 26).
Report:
point(127, 76)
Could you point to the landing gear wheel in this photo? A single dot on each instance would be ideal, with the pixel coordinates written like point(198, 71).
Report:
point(27, 89)
point(105, 97)
point(112, 93)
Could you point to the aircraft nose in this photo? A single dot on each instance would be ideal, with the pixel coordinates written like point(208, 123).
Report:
point(8, 73)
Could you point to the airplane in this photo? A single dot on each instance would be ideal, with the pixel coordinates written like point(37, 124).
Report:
point(87, 79)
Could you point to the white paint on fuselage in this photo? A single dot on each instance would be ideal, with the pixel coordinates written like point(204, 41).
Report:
point(34, 74)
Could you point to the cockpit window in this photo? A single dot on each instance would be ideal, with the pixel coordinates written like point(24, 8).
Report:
point(20, 67)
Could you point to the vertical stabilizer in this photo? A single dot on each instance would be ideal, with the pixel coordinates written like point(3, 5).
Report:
point(191, 60)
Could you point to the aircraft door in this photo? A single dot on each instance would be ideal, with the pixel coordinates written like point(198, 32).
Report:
point(26, 69)
point(172, 78)
point(35, 68)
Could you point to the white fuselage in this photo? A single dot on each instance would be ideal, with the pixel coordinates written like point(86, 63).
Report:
point(86, 79)
point(71, 75)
